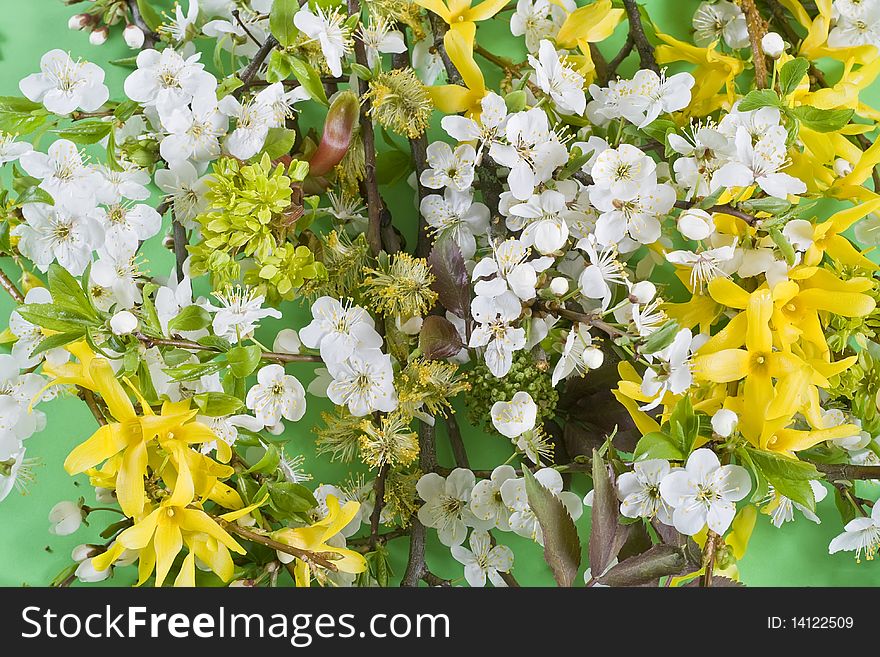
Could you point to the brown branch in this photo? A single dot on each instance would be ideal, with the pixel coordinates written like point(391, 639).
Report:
point(89, 398)
point(709, 550)
point(615, 63)
point(237, 15)
point(637, 34)
point(439, 28)
point(374, 201)
point(456, 441)
point(251, 71)
point(846, 471)
point(724, 208)
point(379, 491)
point(554, 308)
point(363, 544)
point(7, 284)
point(253, 537)
point(757, 29)
point(195, 346)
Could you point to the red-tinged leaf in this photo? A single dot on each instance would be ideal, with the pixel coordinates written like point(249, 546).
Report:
point(647, 567)
point(439, 338)
point(607, 535)
point(562, 547)
point(451, 281)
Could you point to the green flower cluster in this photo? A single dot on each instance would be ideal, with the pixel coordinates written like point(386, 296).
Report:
point(525, 375)
point(860, 384)
point(251, 216)
point(844, 332)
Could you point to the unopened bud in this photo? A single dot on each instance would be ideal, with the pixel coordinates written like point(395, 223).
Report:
point(133, 36)
point(842, 167)
point(79, 21)
point(772, 45)
point(559, 286)
point(98, 37)
point(338, 130)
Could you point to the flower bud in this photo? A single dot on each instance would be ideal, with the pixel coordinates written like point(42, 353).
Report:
point(338, 130)
point(65, 518)
point(642, 292)
point(559, 286)
point(287, 342)
point(86, 551)
point(123, 323)
point(593, 358)
point(99, 36)
point(80, 21)
point(724, 422)
point(842, 167)
point(695, 224)
point(86, 572)
point(133, 36)
point(772, 45)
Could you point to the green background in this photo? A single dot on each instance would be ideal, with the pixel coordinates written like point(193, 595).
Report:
point(794, 555)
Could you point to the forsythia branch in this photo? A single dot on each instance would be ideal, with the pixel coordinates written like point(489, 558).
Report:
point(10, 287)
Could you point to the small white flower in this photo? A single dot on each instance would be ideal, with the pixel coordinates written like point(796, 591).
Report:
point(54, 234)
point(446, 505)
point(167, 81)
point(653, 95)
point(456, 216)
point(578, 355)
point(541, 221)
point(194, 132)
point(622, 172)
point(706, 265)
point(276, 395)
point(116, 273)
point(532, 152)
point(123, 323)
point(531, 19)
point(564, 85)
point(720, 20)
point(493, 330)
point(364, 382)
point(64, 175)
point(860, 535)
point(11, 150)
point(287, 342)
point(378, 37)
point(65, 518)
point(675, 375)
point(238, 313)
point(328, 28)
point(448, 168)
point(483, 560)
point(338, 330)
point(639, 491)
point(63, 85)
point(603, 271)
point(781, 509)
point(559, 286)
point(126, 226)
point(760, 162)
point(705, 493)
point(185, 190)
point(486, 502)
point(515, 417)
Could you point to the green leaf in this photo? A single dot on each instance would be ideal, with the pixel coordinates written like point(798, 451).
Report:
point(278, 67)
point(657, 129)
point(291, 499)
point(56, 318)
point(57, 340)
point(90, 131)
point(791, 74)
point(684, 426)
point(772, 464)
point(661, 338)
point(782, 243)
point(149, 14)
point(193, 371)
point(125, 110)
point(18, 104)
point(281, 21)
point(439, 338)
point(759, 98)
point(125, 62)
point(34, 194)
point(228, 85)
point(217, 404)
point(822, 120)
point(269, 461)
point(68, 293)
point(771, 205)
point(562, 547)
point(309, 79)
point(243, 360)
point(279, 142)
point(797, 490)
point(191, 318)
point(657, 445)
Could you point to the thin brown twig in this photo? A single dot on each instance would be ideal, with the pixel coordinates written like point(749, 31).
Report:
point(757, 28)
point(637, 33)
point(253, 537)
point(709, 558)
point(459, 453)
point(195, 346)
point(615, 63)
point(251, 71)
point(7, 284)
point(723, 208)
point(379, 492)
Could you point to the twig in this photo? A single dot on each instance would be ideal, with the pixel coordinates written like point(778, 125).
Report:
point(459, 452)
point(257, 61)
point(379, 491)
point(554, 308)
point(253, 537)
point(723, 208)
point(195, 346)
point(709, 557)
point(89, 398)
point(757, 29)
point(846, 471)
point(439, 28)
point(363, 544)
point(637, 34)
point(150, 37)
point(501, 62)
point(237, 15)
point(10, 287)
